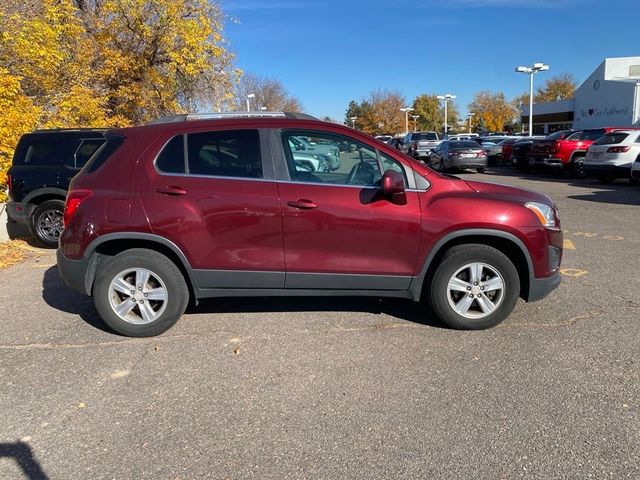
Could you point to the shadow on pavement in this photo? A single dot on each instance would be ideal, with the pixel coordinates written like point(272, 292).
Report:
point(619, 194)
point(395, 307)
point(59, 296)
point(23, 456)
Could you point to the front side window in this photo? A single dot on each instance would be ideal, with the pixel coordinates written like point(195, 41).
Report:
point(330, 158)
point(575, 136)
point(225, 154)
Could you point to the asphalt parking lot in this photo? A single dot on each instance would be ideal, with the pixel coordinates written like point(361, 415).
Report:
point(338, 388)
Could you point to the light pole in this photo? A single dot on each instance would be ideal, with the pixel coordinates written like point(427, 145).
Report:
point(251, 95)
point(446, 99)
point(531, 71)
point(470, 114)
point(415, 122)
point(353, 121)
point(406, 111)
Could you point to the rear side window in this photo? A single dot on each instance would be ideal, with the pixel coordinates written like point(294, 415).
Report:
point(52, 152)
point(426, 136)
point(103, 153)
point(612, 138)
point(171, 158)
point(86, 149)
point(225, 154)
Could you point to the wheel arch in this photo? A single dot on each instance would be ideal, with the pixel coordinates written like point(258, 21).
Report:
point(505, 242)
point(36, 197)
point(112, 244)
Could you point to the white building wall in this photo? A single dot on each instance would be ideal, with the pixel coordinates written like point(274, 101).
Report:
point(605, 99)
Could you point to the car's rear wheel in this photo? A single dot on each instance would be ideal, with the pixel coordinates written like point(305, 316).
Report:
point(46, 223)
point(474, 287)
point(140, 293)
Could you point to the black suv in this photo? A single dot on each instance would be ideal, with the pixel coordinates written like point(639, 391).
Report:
point(43, 164)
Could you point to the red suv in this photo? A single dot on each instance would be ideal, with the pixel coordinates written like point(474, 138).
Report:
point(219, 205)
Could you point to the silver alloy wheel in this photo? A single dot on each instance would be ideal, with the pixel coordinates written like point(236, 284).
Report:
point(50, 225)
point(138, 296)
point(475, 290)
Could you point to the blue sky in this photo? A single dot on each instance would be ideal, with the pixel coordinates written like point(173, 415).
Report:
point(329, 52)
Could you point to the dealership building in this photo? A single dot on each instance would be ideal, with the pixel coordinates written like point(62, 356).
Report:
point(609, 97)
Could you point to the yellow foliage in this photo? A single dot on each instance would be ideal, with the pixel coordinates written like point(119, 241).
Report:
point(108, 63)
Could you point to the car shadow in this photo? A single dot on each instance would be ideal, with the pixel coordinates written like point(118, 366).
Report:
point(399, 308)
point(59, 296)
point(22, 454)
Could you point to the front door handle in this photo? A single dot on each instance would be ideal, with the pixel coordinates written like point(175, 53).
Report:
point(171, 190)
point(302, 204)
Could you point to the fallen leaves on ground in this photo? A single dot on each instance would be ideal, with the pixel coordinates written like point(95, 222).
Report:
point(12, 252)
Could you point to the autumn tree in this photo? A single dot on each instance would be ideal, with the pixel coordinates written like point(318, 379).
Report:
point(87, 63)
point(378, 113)
point(560, 87)
point(270, 94)
point(491, 110)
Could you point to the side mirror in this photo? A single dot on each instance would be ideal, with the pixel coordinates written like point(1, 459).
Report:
point(393, 187)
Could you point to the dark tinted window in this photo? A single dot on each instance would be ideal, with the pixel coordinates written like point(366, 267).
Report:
point(54, 151)
point(171, 159)
point(466, 144)
point(103, 153)
point(612, 138)
point(225, 154)
point(592, 134)
point(557, 135)
point(425, 136)
point(86, 149)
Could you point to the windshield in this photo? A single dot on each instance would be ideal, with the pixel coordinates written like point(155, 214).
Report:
point(426, 136)
point(465, 144)
point(557, 135)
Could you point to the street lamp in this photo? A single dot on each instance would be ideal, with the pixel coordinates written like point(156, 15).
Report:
point(446, 99)
point(415, 122)
point(406, 111)
point(251, 95)
point(353, 121)
point(531, 71)
point(470, 114)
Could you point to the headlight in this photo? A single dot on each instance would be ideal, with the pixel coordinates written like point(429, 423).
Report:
point(545, 213)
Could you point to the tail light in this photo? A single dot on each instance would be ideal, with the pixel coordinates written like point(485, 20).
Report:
point(556, 147)
point(74, 199)
point(618, 149)
point(9, 187)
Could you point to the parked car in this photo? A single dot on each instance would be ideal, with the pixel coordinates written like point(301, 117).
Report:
point(307, 162)
point(613, 155)
point(43, 164)
point(419, 144)
point(215, 207)
point(507, 150)
point(458, 154)
point(396, 142)
point(521, 151)
point(635, 171)
point(329, 151)
point(492, 147)
point(384, 138)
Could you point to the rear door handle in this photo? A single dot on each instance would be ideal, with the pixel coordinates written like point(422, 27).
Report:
point(171, 190)
point(302, 204)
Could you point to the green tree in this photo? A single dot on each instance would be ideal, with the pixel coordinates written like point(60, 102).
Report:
point(431, 113)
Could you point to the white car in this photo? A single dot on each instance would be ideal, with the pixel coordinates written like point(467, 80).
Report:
point(612, 155)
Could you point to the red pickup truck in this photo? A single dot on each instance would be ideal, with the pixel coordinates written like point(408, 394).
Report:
point(565, 152)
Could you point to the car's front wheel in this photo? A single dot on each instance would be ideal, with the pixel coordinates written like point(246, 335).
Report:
point(140, 293)
point(474, 287)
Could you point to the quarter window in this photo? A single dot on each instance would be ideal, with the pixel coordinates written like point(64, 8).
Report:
point(87, 148)
point(171, 159)
point(225, 154)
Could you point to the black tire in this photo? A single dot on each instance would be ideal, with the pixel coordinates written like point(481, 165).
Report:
point(45, 223)
point(442, 300)
point(480, 170)
point(164, 276)
point(576, 169)
point(441, 166)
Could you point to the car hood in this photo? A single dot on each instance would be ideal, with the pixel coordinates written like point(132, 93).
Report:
point(504, 192)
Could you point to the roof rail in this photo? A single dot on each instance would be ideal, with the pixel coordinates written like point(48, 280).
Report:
point(226, 115)
point(62, 130)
